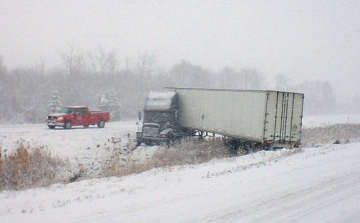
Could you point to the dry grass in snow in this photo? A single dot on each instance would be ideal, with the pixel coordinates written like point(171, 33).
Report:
point(29, 167)
point(187, 152)
point(343, 133)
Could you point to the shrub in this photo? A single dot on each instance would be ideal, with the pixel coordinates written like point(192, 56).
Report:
point(26, 168)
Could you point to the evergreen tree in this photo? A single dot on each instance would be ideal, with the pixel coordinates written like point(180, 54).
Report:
point(55, 104)
point(108, 101)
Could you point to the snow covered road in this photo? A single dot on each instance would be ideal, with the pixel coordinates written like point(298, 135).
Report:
point(315, 185)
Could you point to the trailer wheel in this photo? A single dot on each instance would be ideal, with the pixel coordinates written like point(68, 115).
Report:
point(86, 126)
point(148, 143)
point(67, 125)
point(101, 123)
point(51, 126)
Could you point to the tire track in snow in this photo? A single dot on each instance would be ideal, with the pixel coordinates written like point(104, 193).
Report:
point(289, 207)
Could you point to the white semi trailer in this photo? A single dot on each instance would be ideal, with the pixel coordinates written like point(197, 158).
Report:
point(261, 118)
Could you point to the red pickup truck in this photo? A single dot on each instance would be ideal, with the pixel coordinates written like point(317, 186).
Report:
point(76, 116)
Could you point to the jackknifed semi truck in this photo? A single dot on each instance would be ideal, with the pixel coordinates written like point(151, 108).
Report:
point(252, 118)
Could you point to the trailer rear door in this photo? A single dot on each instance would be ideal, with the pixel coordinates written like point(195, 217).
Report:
point(283, 119)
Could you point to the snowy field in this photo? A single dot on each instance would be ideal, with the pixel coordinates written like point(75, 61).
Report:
point(312, 121)
point(312, 185)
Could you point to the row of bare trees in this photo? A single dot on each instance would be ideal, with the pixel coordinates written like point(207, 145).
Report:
point(105, 62)
point(101, 80)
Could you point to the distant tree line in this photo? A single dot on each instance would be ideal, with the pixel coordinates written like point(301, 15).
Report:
point(97, 80)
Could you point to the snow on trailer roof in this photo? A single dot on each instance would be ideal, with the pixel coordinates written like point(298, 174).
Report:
point(159, 100)
point(225, 89)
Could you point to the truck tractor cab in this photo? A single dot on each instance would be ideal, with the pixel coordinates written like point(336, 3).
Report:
point(161, 120)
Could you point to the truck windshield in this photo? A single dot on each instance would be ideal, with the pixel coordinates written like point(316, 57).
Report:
point(157, 117)
point(66, 110)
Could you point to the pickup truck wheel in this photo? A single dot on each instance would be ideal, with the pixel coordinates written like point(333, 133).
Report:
point(67, 125)
point(101, 123)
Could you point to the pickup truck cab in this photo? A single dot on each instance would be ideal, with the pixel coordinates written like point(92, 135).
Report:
point(77, 116)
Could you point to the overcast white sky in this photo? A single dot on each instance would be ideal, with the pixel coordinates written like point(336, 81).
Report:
point(304, 39)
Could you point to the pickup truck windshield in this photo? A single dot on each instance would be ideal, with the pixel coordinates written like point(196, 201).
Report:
point(66, 110)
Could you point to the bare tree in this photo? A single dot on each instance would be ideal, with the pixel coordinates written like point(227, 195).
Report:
point(145, 63)
point(40, 67)
point(104, 62)
point(247, 78)
point(228, 78)
point(251, 79)
point(128, 63)
point(180, 72)
point(113, 63)
point(2, 67)
point(319, 97)
point(188, 74)
point(73, 60)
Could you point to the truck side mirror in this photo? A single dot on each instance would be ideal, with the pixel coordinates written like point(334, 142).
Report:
point(139, 115)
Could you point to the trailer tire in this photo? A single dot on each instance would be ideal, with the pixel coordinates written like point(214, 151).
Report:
point(101, 123)
point(67, 125)
point(51, 126)
point(148, 143)
point(86, 126)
